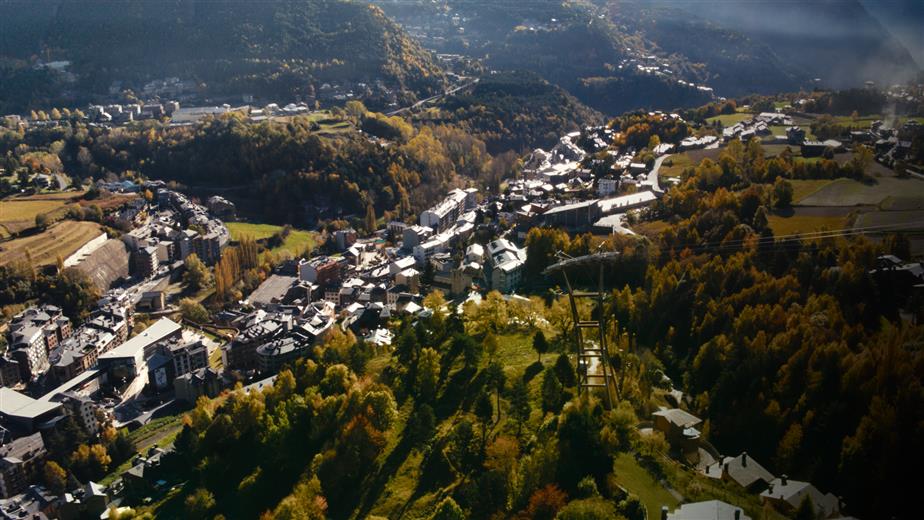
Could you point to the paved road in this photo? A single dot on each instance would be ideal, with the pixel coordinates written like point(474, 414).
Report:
point(432, 98)
point(652, 179)
point(136, 291)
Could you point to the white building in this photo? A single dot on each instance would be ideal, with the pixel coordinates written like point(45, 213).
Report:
point(506, 262)
point(607, 186)
point(437, 244)
point(447, 211)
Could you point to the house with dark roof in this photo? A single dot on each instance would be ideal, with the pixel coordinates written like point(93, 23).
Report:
point(87, 501)
point(787, 495)
point(743, 470)
point(204, 381)
point(140, 479)
point(20, 462)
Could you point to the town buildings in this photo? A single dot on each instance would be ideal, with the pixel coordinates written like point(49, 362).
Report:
point(20, 462)
point(447, 211)
point(33, 333)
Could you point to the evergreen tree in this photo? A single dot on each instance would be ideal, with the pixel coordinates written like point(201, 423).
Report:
point(551, 391)
point(519, 403)
point(540, 344)
point(564, 370)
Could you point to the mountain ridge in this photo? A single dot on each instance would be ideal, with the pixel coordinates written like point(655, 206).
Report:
point(272, 48)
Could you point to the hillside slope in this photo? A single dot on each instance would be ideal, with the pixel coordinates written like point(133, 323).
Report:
point(273, 47)
point(517, 111)
point(725, 59)
point(814, 37)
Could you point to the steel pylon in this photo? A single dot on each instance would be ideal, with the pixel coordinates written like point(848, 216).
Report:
point(594, 368)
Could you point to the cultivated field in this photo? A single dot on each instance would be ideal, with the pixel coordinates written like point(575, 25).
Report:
point(804, 188)
point(111, 202)
point(847, 192)
point(798, 223)
point(61, 239)
point(902, 203)
point(18, 213)
point(909, 220)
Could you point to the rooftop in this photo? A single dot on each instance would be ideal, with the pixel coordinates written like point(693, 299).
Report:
point(679, 417)
point(709, 510)
point(272, 289)
point(571, 207)
point(161, 329)
point(15, 404)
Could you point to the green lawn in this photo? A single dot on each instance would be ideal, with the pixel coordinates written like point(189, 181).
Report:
point(674, 166)
point(865, 120)
point(778, 129)
point(773, 150)
point(257, 231)
point(215, 359)
point(516, 351)
point(730, 119)
point(296, 243)
point(640, 482)
point(159, 432)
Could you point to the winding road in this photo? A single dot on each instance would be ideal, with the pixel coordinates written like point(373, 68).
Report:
point(652, 179)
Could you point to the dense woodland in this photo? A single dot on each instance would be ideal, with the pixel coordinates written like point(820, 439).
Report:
point(276, 49)
point(791, 350)
point(292, 167)
point(515, 111)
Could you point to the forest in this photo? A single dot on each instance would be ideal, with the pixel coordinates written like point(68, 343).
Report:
point(516, 111)
point(277, 49)
point(292, 168)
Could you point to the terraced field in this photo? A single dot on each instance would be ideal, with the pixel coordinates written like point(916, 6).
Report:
point(18, 214)
point(61, 239)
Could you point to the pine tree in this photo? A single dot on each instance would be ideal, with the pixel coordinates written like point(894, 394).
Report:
point(484, 410)
point(519, 403)
point(540, 344)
